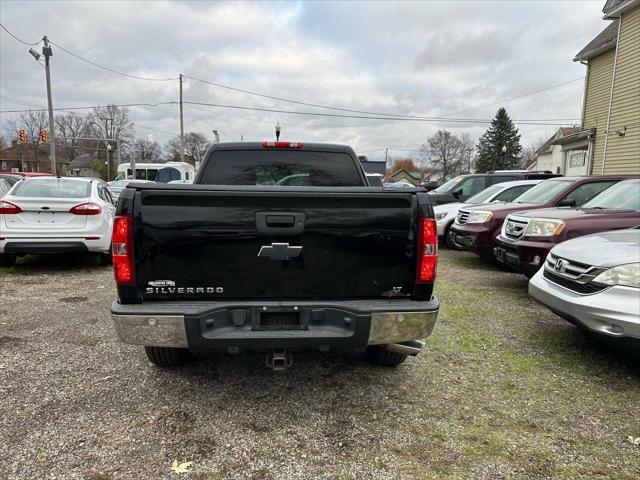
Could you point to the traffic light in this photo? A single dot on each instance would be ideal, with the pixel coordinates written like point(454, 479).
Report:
point(22, 136)
point(43, 135)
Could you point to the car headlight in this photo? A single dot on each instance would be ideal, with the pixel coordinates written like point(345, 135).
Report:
point(628, 275)
point(479, 216)
point(544, 227)
point(440, 216)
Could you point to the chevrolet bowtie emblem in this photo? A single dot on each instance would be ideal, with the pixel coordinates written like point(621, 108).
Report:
point(279, 251)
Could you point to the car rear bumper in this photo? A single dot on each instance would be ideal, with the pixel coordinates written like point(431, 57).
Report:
point(524, 256)
point(613, 313)
point(44, 248)
point(237, 326)
point(54, 244)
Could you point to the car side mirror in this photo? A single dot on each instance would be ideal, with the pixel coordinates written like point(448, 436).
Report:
point(567, 202)
point(457, 193)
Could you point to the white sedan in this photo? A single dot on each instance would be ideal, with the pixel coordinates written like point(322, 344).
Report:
point(500, 192)
point(49, 215)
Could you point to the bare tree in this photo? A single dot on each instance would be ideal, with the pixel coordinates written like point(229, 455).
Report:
point(32, 122)
point(447, 153)
point(195, 146)
point(112, 123)
point(146, 149)
point(467, 152)
point(69, 128)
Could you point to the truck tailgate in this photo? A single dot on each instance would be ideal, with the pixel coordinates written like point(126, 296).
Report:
point(203, 242)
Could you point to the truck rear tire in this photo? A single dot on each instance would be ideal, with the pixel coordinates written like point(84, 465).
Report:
point(168, 357)
point(379, 355)
point(7, 260)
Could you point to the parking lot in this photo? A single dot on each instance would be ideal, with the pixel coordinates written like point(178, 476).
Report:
point(505, 390)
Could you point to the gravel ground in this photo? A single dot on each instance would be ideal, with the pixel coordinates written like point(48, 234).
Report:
point(505, 390)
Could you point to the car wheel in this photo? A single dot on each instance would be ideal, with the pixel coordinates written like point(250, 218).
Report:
point(450, 239)
point(167, 356)
point(7, 260)
point(379, 355)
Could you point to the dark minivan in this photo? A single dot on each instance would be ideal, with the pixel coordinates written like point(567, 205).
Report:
point(460, 188)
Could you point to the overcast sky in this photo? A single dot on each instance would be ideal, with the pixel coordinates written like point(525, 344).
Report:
point(416, 58)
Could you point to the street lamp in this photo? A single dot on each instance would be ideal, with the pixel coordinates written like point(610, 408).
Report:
point(278, 129)
point(504, 155)
point(108, 162)
point(504, 151)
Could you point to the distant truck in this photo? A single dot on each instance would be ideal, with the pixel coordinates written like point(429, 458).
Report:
point(240, 261)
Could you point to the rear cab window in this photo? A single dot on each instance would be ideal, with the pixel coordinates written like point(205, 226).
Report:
point(283, 168)
point(53, 188)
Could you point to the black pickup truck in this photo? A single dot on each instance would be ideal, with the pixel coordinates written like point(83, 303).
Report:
point(277, 247)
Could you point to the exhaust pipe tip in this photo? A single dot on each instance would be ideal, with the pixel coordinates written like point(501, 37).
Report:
point(411, 347)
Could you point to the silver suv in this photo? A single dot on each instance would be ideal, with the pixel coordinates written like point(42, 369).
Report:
point(594, 282)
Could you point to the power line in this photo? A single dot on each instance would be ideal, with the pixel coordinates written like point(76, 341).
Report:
point(518, 97)
point(20, 102)
point(549, 122)
point(89, 107)
point(364, 112)
point(205, 121)
point(18, 39)
point(367, 117)
point(111, 69)
point(154, 129)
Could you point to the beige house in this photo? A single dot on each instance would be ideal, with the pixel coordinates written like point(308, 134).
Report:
point(551, 156)
point(610, 135)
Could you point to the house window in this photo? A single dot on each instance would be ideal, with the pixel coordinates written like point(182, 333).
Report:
point(577, 159)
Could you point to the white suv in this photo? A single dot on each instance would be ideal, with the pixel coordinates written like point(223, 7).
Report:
point(49, 215)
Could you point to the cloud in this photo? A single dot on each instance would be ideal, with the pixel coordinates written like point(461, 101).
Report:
point(416, 58)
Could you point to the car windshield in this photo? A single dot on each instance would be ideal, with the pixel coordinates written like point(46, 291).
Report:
point(52, 188)
point(543, 192)
point(445, 187)
point(621, 196)
point(484, 195)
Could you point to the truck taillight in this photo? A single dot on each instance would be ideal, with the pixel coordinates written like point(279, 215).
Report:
point(122, 250)
point(9, 208)
point(88, 208)
point(282, 144)
point(427, 251)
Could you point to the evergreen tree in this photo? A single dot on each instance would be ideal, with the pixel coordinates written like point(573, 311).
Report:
point(502, 132)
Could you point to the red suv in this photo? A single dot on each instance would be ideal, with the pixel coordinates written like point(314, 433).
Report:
point(476, 228)
point(527, 237)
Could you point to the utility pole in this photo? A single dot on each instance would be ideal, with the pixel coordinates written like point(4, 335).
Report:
point(386, 154)
point(46, 51)
point(181, 123)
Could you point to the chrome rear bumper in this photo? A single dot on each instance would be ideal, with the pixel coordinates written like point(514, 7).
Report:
point(148, 326)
